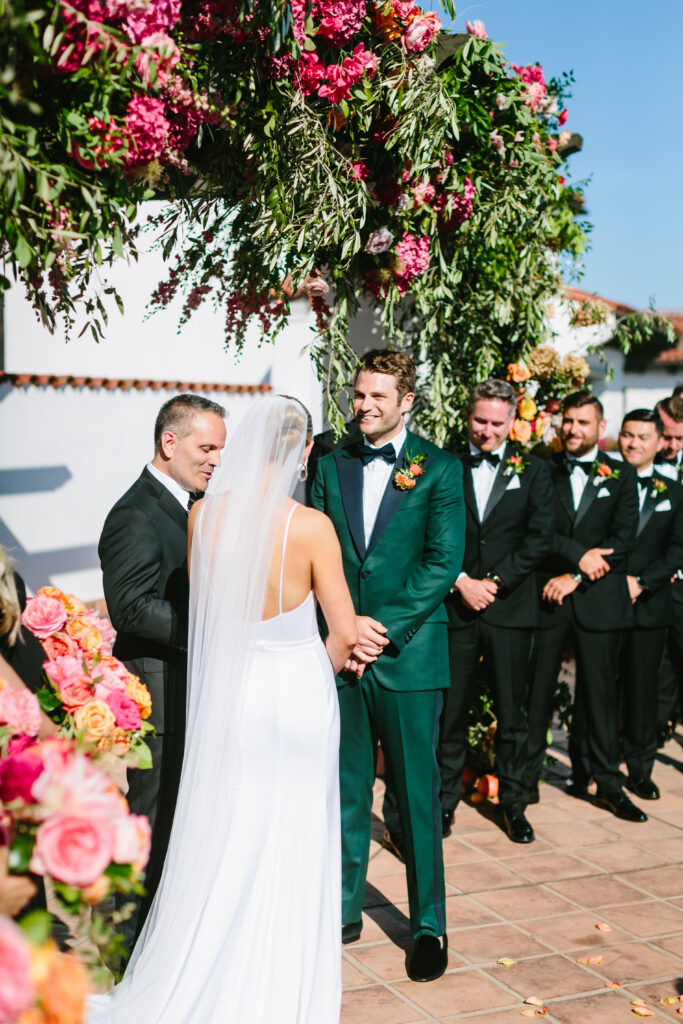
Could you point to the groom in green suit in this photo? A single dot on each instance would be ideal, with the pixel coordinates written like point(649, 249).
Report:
point(396, 502)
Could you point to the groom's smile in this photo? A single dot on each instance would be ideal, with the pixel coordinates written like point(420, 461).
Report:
point(377, 406)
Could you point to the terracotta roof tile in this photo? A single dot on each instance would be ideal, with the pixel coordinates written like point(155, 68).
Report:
point(22, 380)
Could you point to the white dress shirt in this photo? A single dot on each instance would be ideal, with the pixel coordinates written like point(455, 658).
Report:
point(671, 469)
point(646, 474)
point(483, 476)
point(375, 479)
point(170, 484)
point(578, 479)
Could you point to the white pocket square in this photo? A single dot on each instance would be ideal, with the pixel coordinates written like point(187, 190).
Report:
point(603, 493)
point(514, 484)
point(664, 506)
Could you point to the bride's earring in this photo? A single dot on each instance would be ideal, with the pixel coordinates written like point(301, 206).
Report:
point(302, 472)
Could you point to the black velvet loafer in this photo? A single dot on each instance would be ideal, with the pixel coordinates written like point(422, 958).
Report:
point(351, 932)
point(447, 822)
point(429, 958)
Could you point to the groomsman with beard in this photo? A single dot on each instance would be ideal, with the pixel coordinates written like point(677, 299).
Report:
point(493, 608)
point(143, 553)
point(396, 504)
point(655, 556)
point(585, 600)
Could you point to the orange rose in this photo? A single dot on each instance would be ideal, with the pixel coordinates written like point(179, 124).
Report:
point(59, 644)
point(518, 373)
point(140, 694)
point(96, 717)
point(98, 891)
point(604, 469)
point(385, 24)
point(527, 408)
point(117, 742)
point(406, 483)
point(84, 633)
point(415, 469)
point(50, 592)
point(32, 1016)
point(520, 431)
point(65, 991)
point(73, 605)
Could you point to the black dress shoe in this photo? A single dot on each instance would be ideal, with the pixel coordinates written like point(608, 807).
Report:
point(429, 958)
point(577, 787)
point(534, 795)
point(517, 827)
point(646, 789)
point(447, 822)
point(351, 932)
point(393, 841)
point(620, 805)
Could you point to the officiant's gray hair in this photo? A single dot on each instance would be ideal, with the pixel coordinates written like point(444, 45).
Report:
point(177, 414)
point(492, 390)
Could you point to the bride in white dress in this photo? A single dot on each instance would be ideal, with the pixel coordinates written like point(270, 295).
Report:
point(245, 927)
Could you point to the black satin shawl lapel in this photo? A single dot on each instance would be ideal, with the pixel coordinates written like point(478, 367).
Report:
point(500, 482)
point(350, 474)
point(647, 510)
point(173, 508)
point(564, 488)
point(468, 487)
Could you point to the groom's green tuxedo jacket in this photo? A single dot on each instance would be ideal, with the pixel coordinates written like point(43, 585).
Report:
point(412, 560)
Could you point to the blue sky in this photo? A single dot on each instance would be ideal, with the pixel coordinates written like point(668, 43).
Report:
point(627, 104)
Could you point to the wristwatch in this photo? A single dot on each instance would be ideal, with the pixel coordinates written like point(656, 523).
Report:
point(577, 577)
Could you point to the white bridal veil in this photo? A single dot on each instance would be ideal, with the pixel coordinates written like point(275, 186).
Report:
point(232, 547)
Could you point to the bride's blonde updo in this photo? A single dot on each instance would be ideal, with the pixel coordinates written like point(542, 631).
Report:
point(296, 421)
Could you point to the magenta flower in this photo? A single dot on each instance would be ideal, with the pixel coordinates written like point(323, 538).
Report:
point(413, 255)
point(147, 128)
point(340, 20)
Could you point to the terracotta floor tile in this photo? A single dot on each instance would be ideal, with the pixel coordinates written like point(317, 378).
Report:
point(524, 902)
point(607, 1008)
point(574, 931)
point(632, 962)
point(652, 992)
point(548, 977)
point(666, 881)
point(352, 977)
point(546, 813)
point(459, 992)
point(492, 942)
point(387, 889)
point(456, 852)
point(375, 1005)
point(463, 912)
point(598, 890)
point(646, 920)
point(497, 844)
point(383, 862)
point(484, 875)
point(673, 944)
point(570, 836)
point(497, 1017)
point(383, 923)
point(640, 832)
point(386, 960)
point(671, 848)
point(616, 856)
point(548, 867)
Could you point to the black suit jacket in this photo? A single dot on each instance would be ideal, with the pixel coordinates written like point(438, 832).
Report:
point(657, 551)
point(607, 517)
point(511, 539)
point(143, 553)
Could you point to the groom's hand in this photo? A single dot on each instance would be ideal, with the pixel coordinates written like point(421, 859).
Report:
point(371, 641)
point(476, 594)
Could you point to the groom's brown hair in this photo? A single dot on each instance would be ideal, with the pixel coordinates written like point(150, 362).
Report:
point(396, 364)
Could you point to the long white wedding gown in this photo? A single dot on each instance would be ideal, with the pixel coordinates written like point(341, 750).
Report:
point(260, 943)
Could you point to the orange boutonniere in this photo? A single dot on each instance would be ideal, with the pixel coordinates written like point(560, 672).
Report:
point(658, 489)
point(603, 471)
point(515, 464)
point(405, 478)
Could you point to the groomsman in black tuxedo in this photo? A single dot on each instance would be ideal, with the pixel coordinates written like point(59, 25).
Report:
point(585, 600)
point(143, 553)
point(655, 556)
point(493, 607)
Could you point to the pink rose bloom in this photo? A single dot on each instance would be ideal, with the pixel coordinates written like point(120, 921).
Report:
point(533, 94)
point(132, 840)
point(146, 128)
point(161, 53)
point(43, 616)
point(71, 849)
point(63, 669)
point(422, 193)
point(126, 711)
point(17, 775)
point(476, 29)
point(75, 692)
point(413, 254)
point(16, 988)
point(58, 645)
point(317, 287)
point(420, 32)
point(404, 10)
point(379, 241)
point(108, 681)
point(340, 20)
point(104, 626)
point(359, 172)
point(497, 142)
point(72, 784)
point(20, 710)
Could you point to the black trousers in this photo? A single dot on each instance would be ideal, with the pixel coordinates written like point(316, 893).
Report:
point(153, 791)
point(641, 657)
point(675, 647)
point(595, 742)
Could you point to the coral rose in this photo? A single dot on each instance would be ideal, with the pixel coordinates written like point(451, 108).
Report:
point(405, 482)
point(96, 717)
point(420, 32)
point(520, 431)
point(65, 991)
point(43, 615)
point(75, 692)
point(73, 605)
point(518, 373)
point(59, 645)
point(416, 469)
point(140, 694)
point(132, 840)
point(72, 849)
point(50, 592)
point(20, 710)
point(98, 891)
point(16, 988)
point(115, 666)
point(126, 711)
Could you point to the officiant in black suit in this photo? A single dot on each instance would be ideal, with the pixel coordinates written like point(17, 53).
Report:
point(143, 552)
point(655, 557)
point(493, 608)
point(585, 601)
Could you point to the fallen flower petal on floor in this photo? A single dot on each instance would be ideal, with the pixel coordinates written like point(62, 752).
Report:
point(638, 1002)
point(505, 961)
point(592, 960)
point(612, 984)
point(533, 1001)
point(642, 1011)
point(528, 1013)
point(668, 1000)
point(602, 926)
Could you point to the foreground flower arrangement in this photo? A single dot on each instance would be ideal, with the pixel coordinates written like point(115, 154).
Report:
point(90, 694)
point(543, 379)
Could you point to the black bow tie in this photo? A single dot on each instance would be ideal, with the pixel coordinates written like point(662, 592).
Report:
point(583, 464)
point(645, 482)
point(476, 460)
point(366, 454)
point(194, 496)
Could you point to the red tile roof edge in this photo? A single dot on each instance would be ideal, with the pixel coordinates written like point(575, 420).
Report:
point(22, 380)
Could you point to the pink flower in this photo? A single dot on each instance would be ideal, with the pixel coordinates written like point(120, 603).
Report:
point(16, 988)
point(132, 840)
point(552, 145)
point(126, 711)
point(72, 784)
point(533, 94)
point(146, 128)
point(461, 205)
point(68, 666)
point(310, 72)
point(43, 616)
point(142, 20)
point(379, 241)
point(159, 52)
point(497, 142)
point(72, 849)
point(361, 62)
point(17, 775)
point(413, 254)
point(340, 20)
point(420, 32)
point(20, 710)
point(58, 645)
point(476, 29)
point(75, 691)
point(359, 172)
point(317, 286)
point(422, 193)
point(562, 117)
point(108, 681)
point(519, 136)
point(502, 101)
